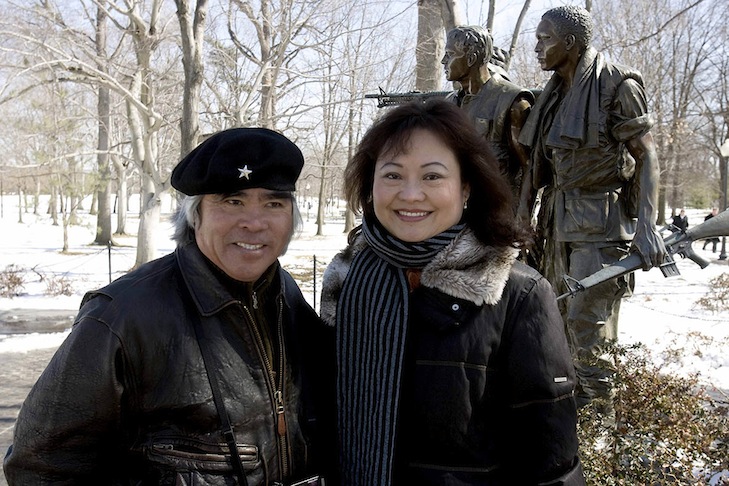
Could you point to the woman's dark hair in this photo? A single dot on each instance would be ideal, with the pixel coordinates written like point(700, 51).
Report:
point(489, 213)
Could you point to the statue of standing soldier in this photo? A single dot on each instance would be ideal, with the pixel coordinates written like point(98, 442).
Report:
point(594, 155)
point(498, 107)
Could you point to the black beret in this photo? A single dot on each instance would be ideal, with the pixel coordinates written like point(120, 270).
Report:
point(237, 159)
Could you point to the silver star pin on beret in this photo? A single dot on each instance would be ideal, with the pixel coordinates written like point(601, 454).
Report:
point(245, 172)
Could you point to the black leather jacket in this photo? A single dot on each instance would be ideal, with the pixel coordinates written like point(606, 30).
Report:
point(126, 399)
point(487, 390)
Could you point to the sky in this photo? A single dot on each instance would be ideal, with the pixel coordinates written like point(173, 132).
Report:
point(506, 14)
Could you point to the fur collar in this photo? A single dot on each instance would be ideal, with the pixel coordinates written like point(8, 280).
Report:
point(465, 269)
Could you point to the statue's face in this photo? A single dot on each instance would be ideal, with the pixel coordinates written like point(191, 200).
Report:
point(455, 61)
point(551, 49)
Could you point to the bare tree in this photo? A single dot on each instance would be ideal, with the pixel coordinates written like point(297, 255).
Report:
point(352, 68)
point(192, 29)
point(672, 49)
point(281, 29)
point(63, 54)
point(103, 216)
point(517, 30)
point(435, 18)
point(713, 102)
point(144, 120)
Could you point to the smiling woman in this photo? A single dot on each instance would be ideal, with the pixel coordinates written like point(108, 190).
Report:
point(418, 193)
point(452, 362)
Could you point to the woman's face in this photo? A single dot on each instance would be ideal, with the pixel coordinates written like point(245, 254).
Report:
point(419, 193)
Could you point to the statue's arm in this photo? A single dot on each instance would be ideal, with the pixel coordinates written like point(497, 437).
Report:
point(518, 114)
point(647, 241)
point(517, 118)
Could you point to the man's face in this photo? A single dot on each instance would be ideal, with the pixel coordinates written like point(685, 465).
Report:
point(551, 49)
point(455, 61)
point(243, 234)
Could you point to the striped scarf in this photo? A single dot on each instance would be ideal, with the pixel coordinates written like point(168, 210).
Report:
point(371, 323)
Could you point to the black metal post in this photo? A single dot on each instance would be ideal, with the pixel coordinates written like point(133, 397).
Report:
point(314, 306)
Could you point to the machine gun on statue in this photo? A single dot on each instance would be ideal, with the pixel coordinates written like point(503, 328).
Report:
point(498, 64)
point(390, 99)
point(678, 243)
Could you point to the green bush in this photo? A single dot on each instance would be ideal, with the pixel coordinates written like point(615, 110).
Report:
point(669, 430)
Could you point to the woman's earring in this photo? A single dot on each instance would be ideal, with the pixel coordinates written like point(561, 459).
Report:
point(465, 204)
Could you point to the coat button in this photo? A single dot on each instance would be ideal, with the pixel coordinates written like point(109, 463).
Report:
point(455, 307)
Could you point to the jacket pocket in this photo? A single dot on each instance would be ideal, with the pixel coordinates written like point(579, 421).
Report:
point(182, 461)
point(586, 213)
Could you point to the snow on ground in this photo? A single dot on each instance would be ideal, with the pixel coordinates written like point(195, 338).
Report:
point(662, 313)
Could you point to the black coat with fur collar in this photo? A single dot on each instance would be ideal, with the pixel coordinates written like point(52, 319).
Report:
point(488, 387)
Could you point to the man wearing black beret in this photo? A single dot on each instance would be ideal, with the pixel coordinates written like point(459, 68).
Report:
point(206, 366)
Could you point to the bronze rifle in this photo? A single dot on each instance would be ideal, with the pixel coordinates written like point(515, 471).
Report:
point(390, 99)
point(677, 243)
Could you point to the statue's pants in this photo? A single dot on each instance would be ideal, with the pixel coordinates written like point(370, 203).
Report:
point(591, 318)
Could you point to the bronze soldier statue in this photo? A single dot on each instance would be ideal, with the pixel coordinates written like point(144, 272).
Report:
point(498, 107)
point(594, 155)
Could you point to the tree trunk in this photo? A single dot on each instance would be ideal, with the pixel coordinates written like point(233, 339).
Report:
point(322, 202)
point(103, 215)
point(36, 196)
point(491, 15)
point(144, 124)
point(192, 29)
point(517, 30)
point(73, 193)
point(65, 218)
point(435, 18)
point(430, 47)
point(451, 13)
point(53, 204)
point(148, 223)
point(121, 197)
point(20, 206)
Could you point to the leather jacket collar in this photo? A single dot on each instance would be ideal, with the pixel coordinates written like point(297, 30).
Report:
point(208, 292)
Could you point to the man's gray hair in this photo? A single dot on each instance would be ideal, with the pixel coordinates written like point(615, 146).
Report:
point(187, 218)
point(571, 19)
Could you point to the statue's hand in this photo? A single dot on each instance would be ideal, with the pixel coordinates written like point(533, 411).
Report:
point(649, 244)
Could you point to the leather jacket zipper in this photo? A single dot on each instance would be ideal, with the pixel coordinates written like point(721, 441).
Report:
point(275, 386)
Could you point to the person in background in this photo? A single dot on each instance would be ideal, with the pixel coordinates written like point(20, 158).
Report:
point(712, 241)
point(680, 221)
point(453, 365)
point(198, 367)
point(594, 156)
